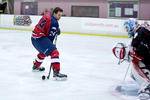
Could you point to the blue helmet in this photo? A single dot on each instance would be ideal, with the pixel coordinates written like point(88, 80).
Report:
point(131, 24)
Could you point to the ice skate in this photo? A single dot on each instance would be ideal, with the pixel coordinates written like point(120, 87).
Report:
point(58, 76)
point(144, 94)
point(37, 69)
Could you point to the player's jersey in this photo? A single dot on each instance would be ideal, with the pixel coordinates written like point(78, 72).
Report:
point(142, 35)
point(47, 26)
point(141, 44)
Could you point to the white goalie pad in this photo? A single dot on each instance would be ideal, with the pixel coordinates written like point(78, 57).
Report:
point(139, 73)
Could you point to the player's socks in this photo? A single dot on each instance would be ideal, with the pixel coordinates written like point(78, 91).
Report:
point(56, 66)
point(38, 62)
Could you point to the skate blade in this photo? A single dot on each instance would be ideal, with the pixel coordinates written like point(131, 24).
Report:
point(37, 71)
point(59, 79)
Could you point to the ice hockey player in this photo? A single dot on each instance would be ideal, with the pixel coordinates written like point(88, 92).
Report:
point(138, 52)
point(42, 39)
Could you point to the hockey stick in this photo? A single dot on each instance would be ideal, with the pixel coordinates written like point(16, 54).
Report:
point(48, 76)
point(49, 72)
point(129, 67)
point(126, 73)
point(55, 39)
point(119, 87)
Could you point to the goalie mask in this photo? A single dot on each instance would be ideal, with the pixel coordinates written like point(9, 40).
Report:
point(121, 52)
point(130, 26)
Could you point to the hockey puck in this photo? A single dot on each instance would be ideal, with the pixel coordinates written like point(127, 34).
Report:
point(119, 88)
point(43, 77)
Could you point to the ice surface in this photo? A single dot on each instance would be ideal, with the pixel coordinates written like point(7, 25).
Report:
point(87, 60)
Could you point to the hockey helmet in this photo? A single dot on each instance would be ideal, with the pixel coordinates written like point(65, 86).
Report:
point(130, 26)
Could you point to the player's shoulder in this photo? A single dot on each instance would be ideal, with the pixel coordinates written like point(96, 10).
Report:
point(141, 29)
point(47, 15)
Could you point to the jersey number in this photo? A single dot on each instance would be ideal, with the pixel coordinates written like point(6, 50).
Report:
point(42, 23)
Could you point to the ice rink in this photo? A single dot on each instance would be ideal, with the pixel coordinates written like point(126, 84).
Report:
point(88, 61)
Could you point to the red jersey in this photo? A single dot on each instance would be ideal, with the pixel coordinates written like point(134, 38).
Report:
point(47, 26)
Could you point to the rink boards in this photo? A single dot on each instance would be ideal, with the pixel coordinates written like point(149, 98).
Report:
point(71, 25)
